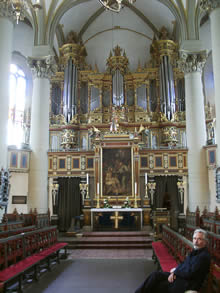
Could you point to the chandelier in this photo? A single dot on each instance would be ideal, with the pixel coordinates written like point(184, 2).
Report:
point(114, 5)
point(17, 7)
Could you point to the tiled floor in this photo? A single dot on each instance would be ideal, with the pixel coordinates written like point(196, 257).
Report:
point(111, 254)
point(94, 276)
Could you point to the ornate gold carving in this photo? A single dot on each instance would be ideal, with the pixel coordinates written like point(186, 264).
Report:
point(209, 112)
point(57, 120)
point(118, 115)
point(117, 61)
point(179, 117)
point(73, 49)
point(170, 135)
point(74, 120)
point(95, 118)
point(164, 47)
point(69, 139)
point(69, 51)
point(58, 77)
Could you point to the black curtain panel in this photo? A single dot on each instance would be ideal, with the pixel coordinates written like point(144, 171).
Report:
point(161, 182)
point(166, 184)
point(175, 201)
point(69, 201)
point(173, 191)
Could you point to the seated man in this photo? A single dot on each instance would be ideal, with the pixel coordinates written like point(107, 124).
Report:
point(188, 275)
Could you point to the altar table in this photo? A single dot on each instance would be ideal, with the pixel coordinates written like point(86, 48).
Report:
point(118, 219)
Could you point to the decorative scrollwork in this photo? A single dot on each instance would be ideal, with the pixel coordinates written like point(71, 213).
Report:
point(192, 61)
point(42, 67)
point(209, 5)
point(69, 139)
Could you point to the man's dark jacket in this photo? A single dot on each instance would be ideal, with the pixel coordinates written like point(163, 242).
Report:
point(194, 269)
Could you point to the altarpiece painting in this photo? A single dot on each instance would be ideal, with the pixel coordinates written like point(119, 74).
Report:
point(117, 172)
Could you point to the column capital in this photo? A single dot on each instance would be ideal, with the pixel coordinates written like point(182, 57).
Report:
point(42, 67)
point(190, 62)
point(209, 5)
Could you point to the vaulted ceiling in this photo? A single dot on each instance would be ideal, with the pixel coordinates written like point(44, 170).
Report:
point(133, 28)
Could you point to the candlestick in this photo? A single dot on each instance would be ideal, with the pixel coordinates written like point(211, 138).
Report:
point(98, 188)
point(98, 205)
point(135, 195)
point(145, 178)
point(87, 178)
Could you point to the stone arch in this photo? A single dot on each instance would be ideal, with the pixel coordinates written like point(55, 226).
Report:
point(179, 16)
point(64, 7)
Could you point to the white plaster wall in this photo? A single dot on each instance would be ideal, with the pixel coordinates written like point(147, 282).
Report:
point(133, 36)
point(19, 186)
point(186, 200)
point(208, 79)
point(205, 35)
point(23, 39)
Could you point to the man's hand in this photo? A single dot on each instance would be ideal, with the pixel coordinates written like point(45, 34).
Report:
point(171, 278)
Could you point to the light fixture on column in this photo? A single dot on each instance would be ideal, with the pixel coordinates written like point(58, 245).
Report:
point(114, 5)
point(17, 7)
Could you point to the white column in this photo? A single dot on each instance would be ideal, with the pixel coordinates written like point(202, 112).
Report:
point(192, 65)
point(39, 135)
point(215, 25)
point(6, 34)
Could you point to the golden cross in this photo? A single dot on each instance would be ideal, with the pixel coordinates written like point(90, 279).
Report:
point(116, 217)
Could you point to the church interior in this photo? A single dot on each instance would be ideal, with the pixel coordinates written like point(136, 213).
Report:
point(109, 122)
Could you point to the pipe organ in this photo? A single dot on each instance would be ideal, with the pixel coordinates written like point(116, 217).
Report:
point(138, 118)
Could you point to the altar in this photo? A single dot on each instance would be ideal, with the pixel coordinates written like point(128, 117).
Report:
point(116, 219)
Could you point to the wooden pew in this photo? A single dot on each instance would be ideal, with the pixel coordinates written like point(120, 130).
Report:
point(192, 222)
point(7, 233)
point(171, 250)
point(211, 221)
point(160, 217)
point(25, 253)
point(11, 225)
point(33, 218)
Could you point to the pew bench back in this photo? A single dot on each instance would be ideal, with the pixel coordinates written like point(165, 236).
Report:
point(20, 253)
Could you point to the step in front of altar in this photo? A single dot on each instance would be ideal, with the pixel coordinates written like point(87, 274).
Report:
point(113, 240)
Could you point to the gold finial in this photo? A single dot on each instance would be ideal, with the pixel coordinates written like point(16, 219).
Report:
point(96, 68)
point(117, 50)
point(72, 38)
point(139, 69)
